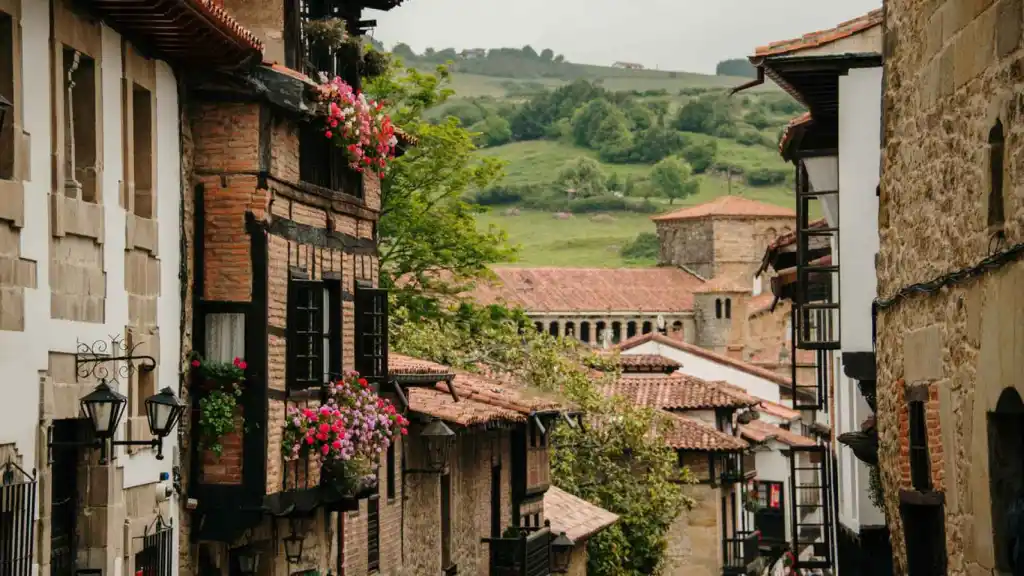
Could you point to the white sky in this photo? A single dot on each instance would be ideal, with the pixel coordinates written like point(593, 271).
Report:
point(684, 35)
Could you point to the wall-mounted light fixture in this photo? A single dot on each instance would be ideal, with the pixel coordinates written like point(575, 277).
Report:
point(561, 553)
point(293, 545)
point(104, 406)
point(437, 439)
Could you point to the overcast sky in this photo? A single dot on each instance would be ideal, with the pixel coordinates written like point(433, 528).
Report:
point(684, 35)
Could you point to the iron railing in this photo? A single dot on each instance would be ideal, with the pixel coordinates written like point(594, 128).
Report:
point(812, 506)
point(17, 525)
point(740, 553)
point(156, 556)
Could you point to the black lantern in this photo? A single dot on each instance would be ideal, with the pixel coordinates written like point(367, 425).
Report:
point(438, 438)
point(104, 406)
point(163, 411)
point(293, 547)
point(561, 553)
point(248, 560)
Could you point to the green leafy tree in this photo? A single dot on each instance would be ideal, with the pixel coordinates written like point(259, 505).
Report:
point(587, 120)
point(403, 51)
point(619, 461)
point(614, 182)
point(584, 176)
point(693, 116)
point(547, 55)
point(494, 131)
point(736, 67)
point(673, 179)
point(757, 119)
point(428, 235)
point(700, 155)
point(659, 108)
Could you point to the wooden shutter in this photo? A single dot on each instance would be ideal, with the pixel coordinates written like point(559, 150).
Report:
point(305, 366)
point(373, 533)
point(372, 333)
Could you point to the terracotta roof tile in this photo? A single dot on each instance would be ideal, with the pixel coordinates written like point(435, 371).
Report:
point(822, 37)
point(496, 393)
point(591, 289)
point(643, 362)
point(464, 412)
point(678, 392)
point(686, 433)
point(777, 410)
point(791, 129)
point(575, 516)
point(226, 22)
point(728, 207)
point(724, 283)
point(399, 364)
point(708, 354)
point(759, 431)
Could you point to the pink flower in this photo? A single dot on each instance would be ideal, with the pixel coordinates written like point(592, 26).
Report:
point(328, 134)
point(195, 363)
point(242, 365)
point(325, 449)
point(309, 439)
point(404, 432)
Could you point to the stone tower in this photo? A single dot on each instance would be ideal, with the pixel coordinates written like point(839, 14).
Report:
point(720, 310)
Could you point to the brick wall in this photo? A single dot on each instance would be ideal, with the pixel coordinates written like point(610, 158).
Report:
point(948, 60)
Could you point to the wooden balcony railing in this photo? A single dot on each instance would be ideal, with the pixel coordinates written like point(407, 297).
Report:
point(740, 553)
point(527, 555)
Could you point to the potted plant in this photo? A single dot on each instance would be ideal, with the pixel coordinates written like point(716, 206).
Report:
point(357, 125)
point(751, 500)
point(347, 434)
point(218, 406)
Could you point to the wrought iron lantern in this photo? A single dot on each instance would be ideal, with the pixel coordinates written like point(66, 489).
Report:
point(163, 411)
point(561, 553)
point(248, 560)
point(293, 547)
point(104, 406)
point(438, 439)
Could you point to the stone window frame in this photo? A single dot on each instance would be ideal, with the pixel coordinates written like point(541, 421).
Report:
point(728, 308)
point(996, 178)
point(12, 191)
point(137, 72)
point(83, 34)
point(917, 437)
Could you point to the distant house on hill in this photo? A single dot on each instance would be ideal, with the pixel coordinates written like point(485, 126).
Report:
point(628, 65)
point(473, 53)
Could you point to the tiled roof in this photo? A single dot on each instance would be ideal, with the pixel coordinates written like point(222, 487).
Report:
point(791, 129)
point(678, 392)
point(822, 37)
point(777, 410)
point(645, 362)
point(464, 412)
point(789, 238)
point(575, 516)
point(685, 433)
point(591, 289)
point(708, 354)
point(728, 207)
point(759, 431)
point(399, 364)
point(495, 393)
point(226, 22)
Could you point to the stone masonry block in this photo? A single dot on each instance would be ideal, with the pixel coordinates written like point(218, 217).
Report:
point(12, 309)
point(1008, 27)
point(12, 202)
point(922, 355)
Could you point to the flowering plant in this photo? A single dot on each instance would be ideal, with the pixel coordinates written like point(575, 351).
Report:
point(217, 406)
point(357, 125)
point(354, 425)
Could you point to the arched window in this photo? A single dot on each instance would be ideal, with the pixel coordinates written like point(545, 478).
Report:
point(570, 329)
point(599, 333)
point(616, 332)
point(728, 307)
point(539, 325)
point(677, 327)
point(553, 329)
point(718, 308)
point(585, 332)
point(630, 330)
point(647, 328)
point(997, 151)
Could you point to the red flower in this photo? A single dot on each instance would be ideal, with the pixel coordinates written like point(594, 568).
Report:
point(362, 382)
point(195, 363)
point(404, 432)
point(242, 365)
point(328, 134)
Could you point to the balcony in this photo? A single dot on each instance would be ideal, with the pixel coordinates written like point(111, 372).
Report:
point(771, 523)
point(733, 468)
point(741, 554)
point(527, 555)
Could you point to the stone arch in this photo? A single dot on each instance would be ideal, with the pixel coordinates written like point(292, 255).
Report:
point(1005, 469)
point(585, 332)
point(599, 331)
point(616, 332)
point(647, 327)
point(553, 329)
point(677, 327)
point(630, 329)
point(570, 329)
point(540, 326)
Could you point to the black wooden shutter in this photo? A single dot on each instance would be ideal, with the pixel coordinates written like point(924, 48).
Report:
point(305, 364)
point(371, 333)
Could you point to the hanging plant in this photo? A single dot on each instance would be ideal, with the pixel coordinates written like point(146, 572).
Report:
point(357, 125)
point(223, 381)
point(330, 33)
point(751, 501)
point(875, 493)
point(374, 64)
point(348, 433)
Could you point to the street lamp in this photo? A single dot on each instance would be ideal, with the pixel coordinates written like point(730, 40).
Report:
point(561, 553)
point(104, 406)
point(163, 411)
point(438, 439)
point(248, 560)
point(293, 547)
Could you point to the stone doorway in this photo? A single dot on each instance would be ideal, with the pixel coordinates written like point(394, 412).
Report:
point(64, 495)
point(1005, 470)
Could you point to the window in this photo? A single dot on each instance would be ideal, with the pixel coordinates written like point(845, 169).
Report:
point(539, 326)
point(373, 533)
point(920, 467)
point(553, 329)
point(371, 309)
point(647, 328)
point(80, 126)
point(142, 150)
point(769, 495)
point(314, 348)
point(323, 164)
point(630, 329)
point(728, 308)
point(7, 67)
point(585, 332)
point(924, 531)
point(616, 332)
point(390, 463)
point(718, 308)
point(997, 151)
point(446, 521)
point(495, 500)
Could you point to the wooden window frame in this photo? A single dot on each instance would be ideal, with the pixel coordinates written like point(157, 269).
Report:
point(371, 332)
point(314, 332)
point(920, 463)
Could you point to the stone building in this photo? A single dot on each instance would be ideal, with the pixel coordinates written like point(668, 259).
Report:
point(90, 294)
point(724, 237)
point(826, 269)
point(494, 493)
point(951, 223)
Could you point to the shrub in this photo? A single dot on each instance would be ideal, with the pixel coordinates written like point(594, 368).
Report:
point(752, 138)
point(644, 247)
point(608, 203)
point(766, 176)
point(498, 195)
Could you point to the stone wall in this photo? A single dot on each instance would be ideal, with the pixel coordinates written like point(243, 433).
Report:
point(689, 243)
point(739, 244)
point(952, 69)
point(694, 539)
